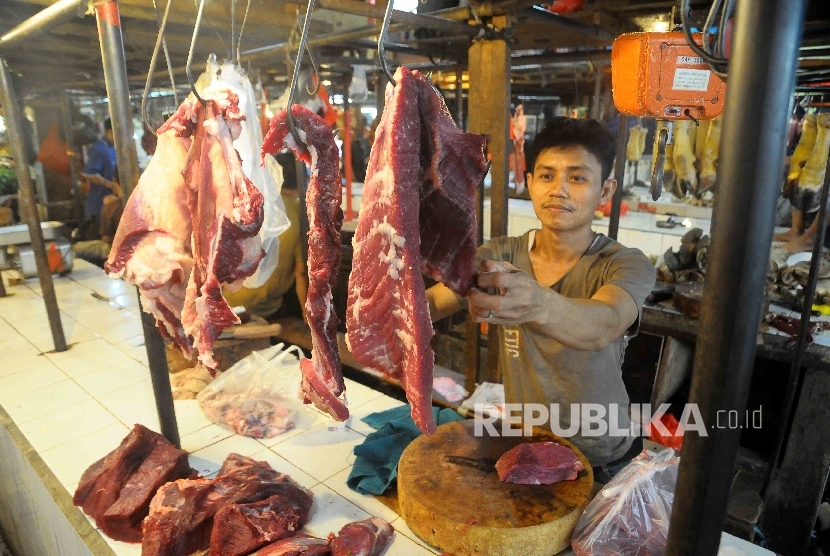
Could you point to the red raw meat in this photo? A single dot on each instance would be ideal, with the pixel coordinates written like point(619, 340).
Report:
point(229, 212)
point(538, 463)
point(322, 382)
point(300, 545)
point(151, 248)
point(453, 164)
point(116, 490)
point(370, 537)
point(182, 513)
point(387, 317)
point(239, 529)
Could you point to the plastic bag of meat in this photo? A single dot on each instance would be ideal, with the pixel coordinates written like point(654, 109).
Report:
point(630, 515)
point(256, 397)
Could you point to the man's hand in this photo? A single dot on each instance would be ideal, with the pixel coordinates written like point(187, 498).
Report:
point(520, 298)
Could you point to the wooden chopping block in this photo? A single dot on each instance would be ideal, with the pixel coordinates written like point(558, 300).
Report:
point(451, 497)
point(688, 297)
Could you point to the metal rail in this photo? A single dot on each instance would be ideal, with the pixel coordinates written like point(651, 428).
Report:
point(411, 20)
point(761, 81)
point(59, 12)
point(619, 175)
point(118, 93)
point(28, 203)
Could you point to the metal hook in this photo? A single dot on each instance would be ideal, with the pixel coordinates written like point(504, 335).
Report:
point(242, 30)
point(382, 39)
point(296, 75)
point(159, 41)
point(190, 53)
point(316, 88)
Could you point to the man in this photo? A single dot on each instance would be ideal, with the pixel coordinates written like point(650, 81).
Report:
point(284, 293)
point(100, 174)
point(567, 297)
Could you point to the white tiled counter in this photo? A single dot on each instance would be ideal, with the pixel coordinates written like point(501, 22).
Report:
point(63, 411)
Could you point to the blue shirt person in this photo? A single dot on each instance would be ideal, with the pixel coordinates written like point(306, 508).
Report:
point(100, 172)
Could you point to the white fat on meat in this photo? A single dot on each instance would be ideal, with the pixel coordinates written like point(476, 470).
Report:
point(394, 241)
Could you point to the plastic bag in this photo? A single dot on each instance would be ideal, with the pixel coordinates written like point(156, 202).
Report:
point(53, 152)
point(630, 515)
point(256, 397)
point(249, 144)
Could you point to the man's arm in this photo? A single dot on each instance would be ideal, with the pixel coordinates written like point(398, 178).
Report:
point(98, 179)
point(443, 302)
point(583, 324)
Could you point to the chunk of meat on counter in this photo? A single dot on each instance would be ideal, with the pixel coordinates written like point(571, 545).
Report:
point(239, 529)
point(182, 513)
point(151, 247)
point(322, 382)
point(300, 545)
point(538, 463)
point(116, 490)
point(387, 318)
point(453, 165)
point(227, 212)
point(370, 537)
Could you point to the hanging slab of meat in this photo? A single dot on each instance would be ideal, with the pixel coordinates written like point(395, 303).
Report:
point(387, 317)
point(709, 160)
point(538, 463)
point(683, 157)
point(300, 545)
point(151, 248)
point(453, 164)
point(370, 537)
point(227, 212)
point(322, 382)
point(116, 490)
point(518, 127)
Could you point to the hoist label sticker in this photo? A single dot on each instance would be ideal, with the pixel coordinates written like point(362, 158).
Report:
point(690, 80)
point(690, 61)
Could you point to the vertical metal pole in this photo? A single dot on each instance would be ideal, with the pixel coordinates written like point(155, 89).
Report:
point(761, 78)
point(459, 96)
point(347, 153)
point(619, 175)
point(489, 68)
point(73, 148)
point(28, 203)
point(597, 92)
point(118, 93)
point(380, 93)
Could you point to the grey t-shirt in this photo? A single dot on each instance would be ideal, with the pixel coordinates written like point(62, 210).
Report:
point(538, 369)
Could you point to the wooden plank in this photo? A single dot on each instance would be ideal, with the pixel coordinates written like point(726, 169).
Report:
point(489, 69)
point(796, 489)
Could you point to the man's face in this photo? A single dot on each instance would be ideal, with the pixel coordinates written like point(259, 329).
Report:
point(108, 135)
point(566, 188)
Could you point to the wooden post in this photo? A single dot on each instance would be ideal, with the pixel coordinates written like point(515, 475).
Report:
point(794, 495)
point(489, 68)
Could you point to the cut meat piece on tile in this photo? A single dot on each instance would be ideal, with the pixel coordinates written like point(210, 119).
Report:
point(370, 537)
point(322, 382)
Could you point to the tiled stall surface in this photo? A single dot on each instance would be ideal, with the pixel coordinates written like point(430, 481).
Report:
point(74, 407)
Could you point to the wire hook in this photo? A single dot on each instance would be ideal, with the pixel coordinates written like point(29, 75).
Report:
point(241, 31)
point(309, 90)
point(159, 41)
point(296, 75)
point(190, 53)
point(387, 17)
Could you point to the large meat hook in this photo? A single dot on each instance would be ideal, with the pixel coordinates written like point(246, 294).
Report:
point(296, 75)
point(384, 29)
point(160, 40)
point(190, 53)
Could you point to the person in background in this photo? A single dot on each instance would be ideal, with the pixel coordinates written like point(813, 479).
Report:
point(284, 293)
point(100, 175)
point(96, 251)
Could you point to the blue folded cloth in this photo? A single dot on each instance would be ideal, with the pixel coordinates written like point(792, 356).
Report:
point(376, 462)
